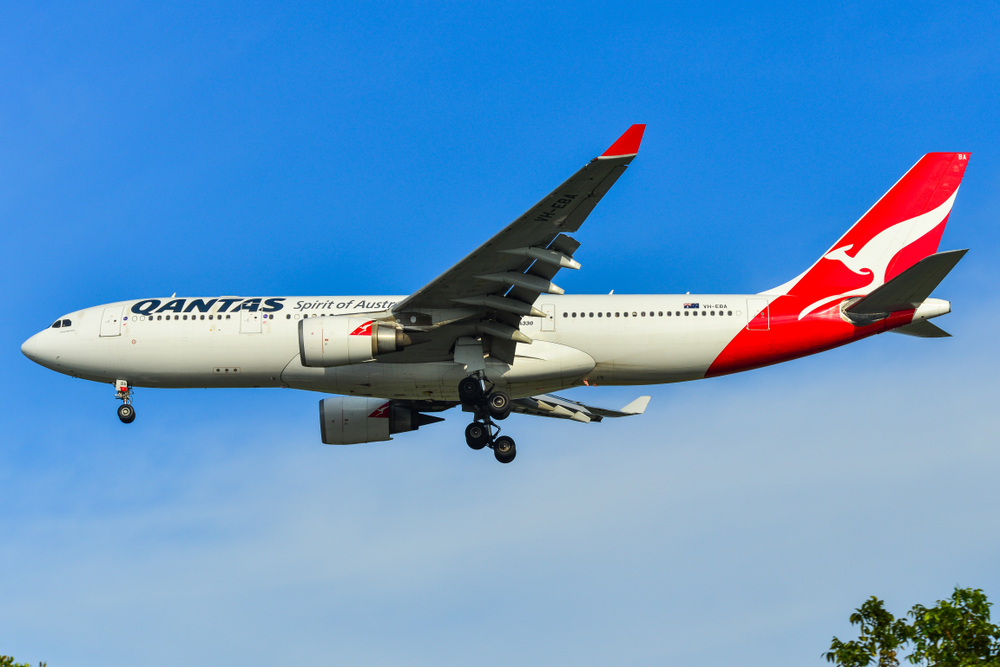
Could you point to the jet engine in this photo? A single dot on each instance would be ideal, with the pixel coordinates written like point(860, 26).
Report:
point(350, 420)
point(341, 340)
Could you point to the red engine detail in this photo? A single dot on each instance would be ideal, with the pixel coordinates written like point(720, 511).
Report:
point(341, 341)
point(350, 420)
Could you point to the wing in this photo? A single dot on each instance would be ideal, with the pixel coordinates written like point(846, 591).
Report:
point(489, 291)
point(548, 405)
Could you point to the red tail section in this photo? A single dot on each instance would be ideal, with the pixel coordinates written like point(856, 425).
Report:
point(902, 228)
point(804, 316)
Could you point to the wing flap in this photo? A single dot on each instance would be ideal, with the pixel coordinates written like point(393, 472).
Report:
point(549, 405)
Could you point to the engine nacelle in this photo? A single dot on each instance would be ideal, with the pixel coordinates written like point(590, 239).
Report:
point(340, 340)
point(350, 420)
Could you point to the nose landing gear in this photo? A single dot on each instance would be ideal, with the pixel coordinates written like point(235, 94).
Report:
point(123, 392)
point(488, 405)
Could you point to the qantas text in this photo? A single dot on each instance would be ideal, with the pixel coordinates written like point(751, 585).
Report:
point(255, 304)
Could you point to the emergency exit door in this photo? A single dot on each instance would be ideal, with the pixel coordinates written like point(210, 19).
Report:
point(111, 321)
point(758, 315)
point(549, 323)
point(249, 322)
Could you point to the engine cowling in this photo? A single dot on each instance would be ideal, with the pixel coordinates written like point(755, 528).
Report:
point(341, 340)
point(351, 420)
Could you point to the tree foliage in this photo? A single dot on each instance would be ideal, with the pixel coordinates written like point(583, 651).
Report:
point(881, 637)
point(8, 661)
point(953, 633)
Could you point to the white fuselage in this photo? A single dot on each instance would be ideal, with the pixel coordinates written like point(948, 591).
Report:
point(592, 339)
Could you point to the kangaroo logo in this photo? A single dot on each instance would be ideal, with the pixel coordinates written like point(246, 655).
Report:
point(381, 412)
point(364, 330)
point(873, 258)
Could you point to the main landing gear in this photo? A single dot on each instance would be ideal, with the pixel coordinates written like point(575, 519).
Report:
point(489, 407)
point(123, 392)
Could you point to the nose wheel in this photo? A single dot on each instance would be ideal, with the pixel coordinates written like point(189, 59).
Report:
point(126, 413)
point(489, 406)
point(123, 392)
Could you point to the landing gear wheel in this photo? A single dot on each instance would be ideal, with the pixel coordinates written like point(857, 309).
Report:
point(126, 413)
point(477, 435)
point(470, 391)
point(503, 449)
point(498, 404)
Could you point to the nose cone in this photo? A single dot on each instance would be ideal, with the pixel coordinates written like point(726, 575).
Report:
point(37, 349)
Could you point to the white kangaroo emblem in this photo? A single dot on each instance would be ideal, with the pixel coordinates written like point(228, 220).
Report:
point(873, 258)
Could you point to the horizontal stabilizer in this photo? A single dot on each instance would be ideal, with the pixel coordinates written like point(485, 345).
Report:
point(923, 329)
point(910, 288)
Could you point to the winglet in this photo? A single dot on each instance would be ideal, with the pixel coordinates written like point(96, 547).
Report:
point(638, 406)
point(627, 144)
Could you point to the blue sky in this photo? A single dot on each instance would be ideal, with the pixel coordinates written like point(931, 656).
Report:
point(208, 148)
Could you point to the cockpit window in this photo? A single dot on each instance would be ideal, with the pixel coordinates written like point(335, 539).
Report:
point(67, 323)
point(57, 324)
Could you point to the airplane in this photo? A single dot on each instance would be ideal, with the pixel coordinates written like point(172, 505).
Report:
point(494, 335)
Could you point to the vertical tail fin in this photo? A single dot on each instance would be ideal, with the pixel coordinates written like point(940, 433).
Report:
point(903, 227)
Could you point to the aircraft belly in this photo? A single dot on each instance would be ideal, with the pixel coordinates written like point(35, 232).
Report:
point(188, 358)
point(656, 353)
point(550, 368)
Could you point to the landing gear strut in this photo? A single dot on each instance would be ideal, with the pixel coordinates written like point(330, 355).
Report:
point(123, 392)
point(488, 405)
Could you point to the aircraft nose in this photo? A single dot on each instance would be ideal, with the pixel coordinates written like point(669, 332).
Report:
point(36, 349)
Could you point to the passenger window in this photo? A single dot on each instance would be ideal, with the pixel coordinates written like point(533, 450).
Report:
point(661, 313)
point(185, 317)
point(730, 313)
point(600, 314)
point(616, 314)
point(609, 314)
point(227, 317)
point(202, 317)
point(288, 316)
point(591, 314)
point(703, 313)
point(686, 313)
point(574, 313)
point(565, 314)
point(626, 313)
point(713, 313)
point(668, 313)
point(644, 313)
